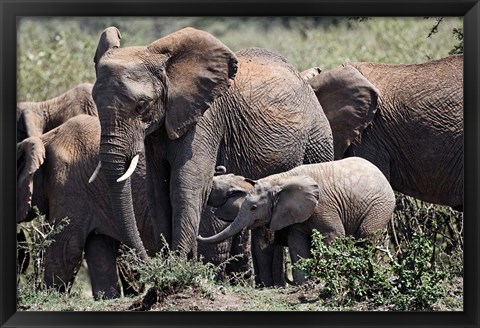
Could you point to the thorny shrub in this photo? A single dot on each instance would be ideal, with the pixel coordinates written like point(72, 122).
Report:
point(168, 272)
point(355, 271)
point(40, 235)
point(405, 272)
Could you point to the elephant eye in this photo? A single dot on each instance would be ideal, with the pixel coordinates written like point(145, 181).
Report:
point(141, 106)
point(253, 208)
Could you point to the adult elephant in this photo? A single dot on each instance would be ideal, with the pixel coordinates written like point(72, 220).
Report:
point(53, 172)
point(36, 118)
point(192, 104)
point(406, 119)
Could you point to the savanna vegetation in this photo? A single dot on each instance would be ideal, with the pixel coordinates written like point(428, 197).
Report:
point(416, 265)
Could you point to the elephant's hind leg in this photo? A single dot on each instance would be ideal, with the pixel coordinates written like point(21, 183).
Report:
point(240, 265)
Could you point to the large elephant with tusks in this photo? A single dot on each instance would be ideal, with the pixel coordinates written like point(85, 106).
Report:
point(192, 104)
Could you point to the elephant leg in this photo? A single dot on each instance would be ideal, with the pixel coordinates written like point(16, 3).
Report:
point(101, 256)
point(267, 258)
point(158, 181)
point(298, 247)
point(216, 253)
point(278, 266)
point(192, 159)
point(240, 247)
point(62, 260)
point(235, 252)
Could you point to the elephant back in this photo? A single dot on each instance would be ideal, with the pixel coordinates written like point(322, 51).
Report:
point(274, 121)
point(260, 53)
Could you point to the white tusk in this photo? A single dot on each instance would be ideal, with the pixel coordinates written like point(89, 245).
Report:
point(95, 173)
point(131, 168)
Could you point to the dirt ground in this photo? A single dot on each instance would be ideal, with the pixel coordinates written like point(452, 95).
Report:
point(221, 299)
point(291, 298)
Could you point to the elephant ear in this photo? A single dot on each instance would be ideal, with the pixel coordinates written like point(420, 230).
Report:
point(349, 101)
point(199, 68)
point(109, 39)
point(294, 202)
point(240, 189)
point(30, 156)
point(29, 124)
point(229, 210)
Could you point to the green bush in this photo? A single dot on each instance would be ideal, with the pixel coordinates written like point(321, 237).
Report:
point(347, 268)
point(40, 235)
point(442, 225)
point(417, 285)
point(355, 271)
point(168, 272)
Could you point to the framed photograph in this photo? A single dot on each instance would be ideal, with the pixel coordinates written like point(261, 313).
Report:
point(192, 163)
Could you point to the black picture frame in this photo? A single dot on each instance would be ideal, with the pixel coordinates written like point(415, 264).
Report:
point(11, 10)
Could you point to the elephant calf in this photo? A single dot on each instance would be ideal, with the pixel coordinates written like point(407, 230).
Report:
point(339, 198)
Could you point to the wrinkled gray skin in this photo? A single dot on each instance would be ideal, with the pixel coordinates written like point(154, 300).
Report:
point(36, 118)
point(349, 197)
point(53, 172)
point(236, 250)
point(405, 119)
point(192, 104)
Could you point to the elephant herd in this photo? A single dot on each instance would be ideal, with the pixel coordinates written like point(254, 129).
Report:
point(135, 157)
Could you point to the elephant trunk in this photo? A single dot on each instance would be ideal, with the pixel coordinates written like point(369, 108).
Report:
point(113, 164)
point(240, 222)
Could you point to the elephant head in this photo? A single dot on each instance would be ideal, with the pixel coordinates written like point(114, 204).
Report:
point(278, 202)
point(36, 118)
point(227, 195)
point(169, 83)
point(349, 101)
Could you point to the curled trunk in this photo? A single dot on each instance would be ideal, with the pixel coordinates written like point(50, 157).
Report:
point(240, 222)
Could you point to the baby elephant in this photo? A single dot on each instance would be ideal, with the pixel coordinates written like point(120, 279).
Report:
point(345, 197)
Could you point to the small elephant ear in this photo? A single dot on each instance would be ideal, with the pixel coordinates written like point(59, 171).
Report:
point(349, 101)
point(294, 202)
point(30, 156)
point(229, 210)
point(199, 68)
point(109, 39)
